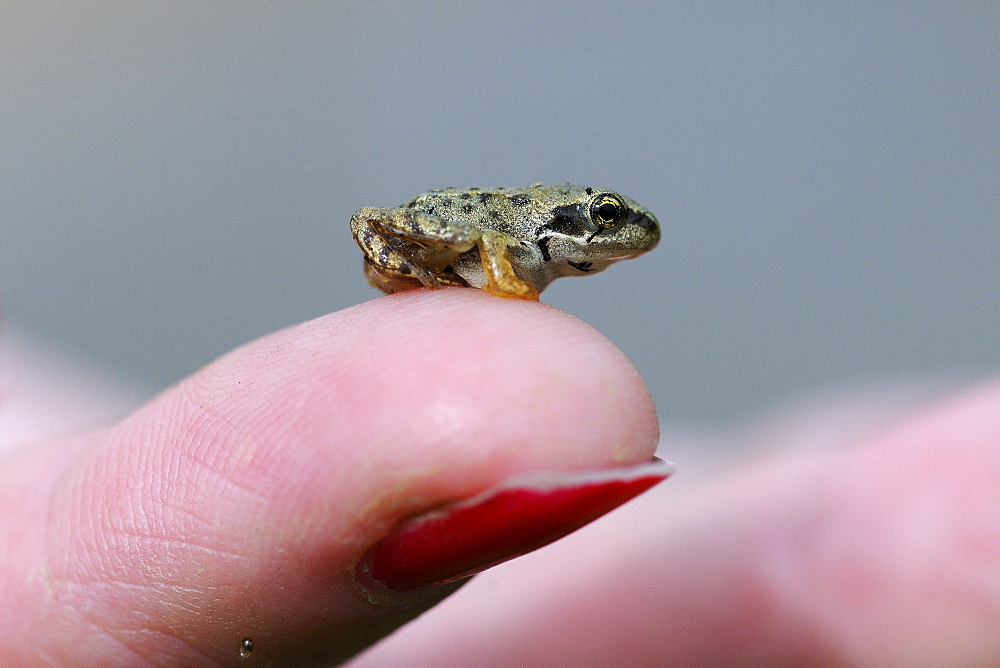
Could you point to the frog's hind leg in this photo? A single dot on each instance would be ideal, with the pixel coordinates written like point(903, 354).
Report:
point(406, 249)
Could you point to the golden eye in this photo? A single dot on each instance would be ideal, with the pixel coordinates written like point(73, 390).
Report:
point(607, 210)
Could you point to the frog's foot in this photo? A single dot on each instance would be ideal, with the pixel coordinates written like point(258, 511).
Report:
point(500, 277)
point(389, 281)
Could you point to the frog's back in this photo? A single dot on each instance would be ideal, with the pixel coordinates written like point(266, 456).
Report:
point(515, 211)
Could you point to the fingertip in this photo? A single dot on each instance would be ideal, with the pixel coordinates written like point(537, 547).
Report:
point(424, 377)
point(521, 383)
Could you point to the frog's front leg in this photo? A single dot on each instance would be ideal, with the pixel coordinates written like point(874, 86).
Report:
point(405, 249)
point(494, 252)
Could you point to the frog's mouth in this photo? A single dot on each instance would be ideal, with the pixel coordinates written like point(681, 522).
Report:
point(595, 255)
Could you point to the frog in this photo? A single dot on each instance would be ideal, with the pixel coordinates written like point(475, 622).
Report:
point(512, 242)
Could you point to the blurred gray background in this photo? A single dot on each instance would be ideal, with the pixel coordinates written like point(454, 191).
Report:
point(177, 179)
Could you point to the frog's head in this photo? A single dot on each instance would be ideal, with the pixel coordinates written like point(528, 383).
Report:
point(597, 228)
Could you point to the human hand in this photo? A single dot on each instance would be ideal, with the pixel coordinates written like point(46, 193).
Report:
point(884, 552)
point(239, 502)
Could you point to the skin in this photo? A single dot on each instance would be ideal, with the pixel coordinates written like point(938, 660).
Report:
point(246, 489)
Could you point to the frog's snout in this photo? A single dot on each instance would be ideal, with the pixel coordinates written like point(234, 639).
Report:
point(646, 220)
point(648, 224)
point(647, 227)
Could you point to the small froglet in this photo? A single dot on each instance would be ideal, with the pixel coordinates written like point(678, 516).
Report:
point(512, 242)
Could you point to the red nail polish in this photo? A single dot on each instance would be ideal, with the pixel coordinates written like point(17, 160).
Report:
point(507, 521)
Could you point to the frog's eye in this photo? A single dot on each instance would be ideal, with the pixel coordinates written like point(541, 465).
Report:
point(607, 210)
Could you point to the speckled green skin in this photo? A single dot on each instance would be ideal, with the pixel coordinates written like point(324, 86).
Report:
point(510, 241)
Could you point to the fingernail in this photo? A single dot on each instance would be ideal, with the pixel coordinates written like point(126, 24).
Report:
point(507, 521)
